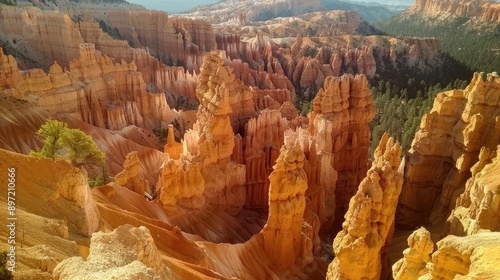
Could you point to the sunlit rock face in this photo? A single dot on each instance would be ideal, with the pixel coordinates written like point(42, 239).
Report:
point(469, 257)
point(343, 108)
point(479, 10)
point(478, 207)
point(446, 147)
point(125, 253)
point(287, 202)
point(370, 218)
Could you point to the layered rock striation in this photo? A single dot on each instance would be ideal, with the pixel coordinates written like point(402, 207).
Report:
point(446, 147)
point(478, 207)
point(480, 10)
point(343, 108)
point(369, 222)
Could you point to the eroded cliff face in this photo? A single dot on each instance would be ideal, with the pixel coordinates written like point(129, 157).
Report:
point(370, 218)
point(343, 108)
point(287, 202)
point(478, 207)
point(100, 92)
point(59, 189)
point(416, 257)
point(480, 10)
point(446, 147)
point(470, 257)
point(208, 148)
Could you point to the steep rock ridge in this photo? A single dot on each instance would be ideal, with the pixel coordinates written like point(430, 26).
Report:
point(130, 177)
point(99, 91)
point(19, 122)
point(481, 10)
point(243, 10)
point(421, 53)
point(208, 147)
point(416, 257)
point(47, 35)
point(445, 148)
point(477, 208)
point(287, 202)
point(60, 190)
point(470, 257)
point(176, 40)
point(264, 136)
point(125, 253)
point(343, 108)
point(359, 247)
point(320, 24)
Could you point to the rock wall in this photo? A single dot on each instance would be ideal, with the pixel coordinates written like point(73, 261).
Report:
point(470, 257)
point(359, 247)
point(287, 202)
point(480, 10)
point(100, 92)
point(60, 190)
point(343, 108)
point(208, 147)
point(416, 257)
point(445, 148)
point(130, 177)
point(477, 208)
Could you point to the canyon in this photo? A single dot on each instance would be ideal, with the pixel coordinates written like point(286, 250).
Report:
point(211, 169)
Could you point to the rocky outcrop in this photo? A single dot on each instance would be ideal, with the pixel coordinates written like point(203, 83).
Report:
point(126, 253)
point(130, 177)
point(263, 139)
point(343, 108)
point(470, 257)
point(416, 257)
point(287, 202)
point(446, 147)
point(60, 190)
point(317, 24)
point(369, 221)
point(243, 10)
point(480, 10)
point(208, 147)
point(98, 91)
point(477, 208)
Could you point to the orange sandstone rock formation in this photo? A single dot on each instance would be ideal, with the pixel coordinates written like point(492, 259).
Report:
point(479, 10)
point(413, 265)
point(470, 257)
point(369, 221)
point(477, 208)
point(125, 253)
point(60, 190)
point(445, 148)
point(339, 122)
point(130, 177)
point(288, 184)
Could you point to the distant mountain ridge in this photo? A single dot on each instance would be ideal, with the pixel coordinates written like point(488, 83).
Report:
point(474, 9)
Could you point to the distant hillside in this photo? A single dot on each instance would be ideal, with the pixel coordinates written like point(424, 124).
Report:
point(371, 12)
point(469, 31)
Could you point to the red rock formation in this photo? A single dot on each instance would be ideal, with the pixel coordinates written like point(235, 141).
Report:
point(416, 257)
point(447, 145)
point(482, 10)
point(130, 177)
point(288, 184)
point(477, 208)
point(370, 218)
point(343, 108)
